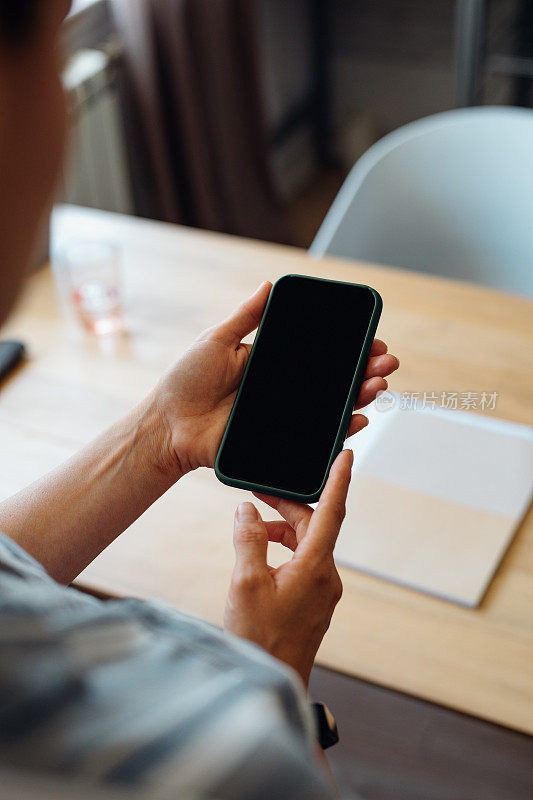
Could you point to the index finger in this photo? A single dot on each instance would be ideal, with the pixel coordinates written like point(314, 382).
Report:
point(296, 514)
point(327, 519)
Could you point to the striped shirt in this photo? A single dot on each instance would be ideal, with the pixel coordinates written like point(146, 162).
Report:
point(125, 694)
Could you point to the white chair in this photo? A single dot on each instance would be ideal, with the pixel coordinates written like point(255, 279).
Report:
point(450, 194)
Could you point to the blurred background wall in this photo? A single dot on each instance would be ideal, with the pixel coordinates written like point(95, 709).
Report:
point(324, 80)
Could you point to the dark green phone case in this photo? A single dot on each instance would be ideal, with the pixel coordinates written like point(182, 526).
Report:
point(347, 413)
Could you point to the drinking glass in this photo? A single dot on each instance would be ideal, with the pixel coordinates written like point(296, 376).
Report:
point(92, 281)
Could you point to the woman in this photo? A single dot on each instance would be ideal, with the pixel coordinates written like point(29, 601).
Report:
point(133, 693)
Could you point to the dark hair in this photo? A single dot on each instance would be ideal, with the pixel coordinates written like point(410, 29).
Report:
point(17, 18)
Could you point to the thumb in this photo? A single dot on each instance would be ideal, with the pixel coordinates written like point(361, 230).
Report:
point(244, 320)
point(250, 537)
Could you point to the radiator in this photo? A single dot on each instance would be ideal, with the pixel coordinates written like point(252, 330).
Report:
point(96, 174)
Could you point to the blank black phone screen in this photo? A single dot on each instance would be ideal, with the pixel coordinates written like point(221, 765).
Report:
point(287, 416)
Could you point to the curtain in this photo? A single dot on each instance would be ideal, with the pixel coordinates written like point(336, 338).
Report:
point(193, 115)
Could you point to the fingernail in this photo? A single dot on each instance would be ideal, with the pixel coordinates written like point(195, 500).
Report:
point(247, 512)
point(351, 456)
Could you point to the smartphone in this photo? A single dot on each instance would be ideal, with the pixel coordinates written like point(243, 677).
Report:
point(295, 400)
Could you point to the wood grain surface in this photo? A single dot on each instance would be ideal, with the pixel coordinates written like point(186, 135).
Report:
point(177, 281)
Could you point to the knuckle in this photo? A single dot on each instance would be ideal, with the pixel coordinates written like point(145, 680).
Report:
point(249, 534)
point(245, 581)
point(339, 509)
point(246, 310)
point(337, 589)
point(322, 575)
point(328, 581)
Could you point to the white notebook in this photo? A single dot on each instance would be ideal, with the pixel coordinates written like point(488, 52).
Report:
point(436, 497)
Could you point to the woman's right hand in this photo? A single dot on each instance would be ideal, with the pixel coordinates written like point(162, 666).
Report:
point(288, 610)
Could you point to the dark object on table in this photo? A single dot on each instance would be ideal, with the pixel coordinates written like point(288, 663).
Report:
point(11, 353)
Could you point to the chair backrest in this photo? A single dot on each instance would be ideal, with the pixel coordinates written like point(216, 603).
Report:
point(450, 194)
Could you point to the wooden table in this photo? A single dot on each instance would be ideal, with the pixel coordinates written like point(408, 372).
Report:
point(448, 336)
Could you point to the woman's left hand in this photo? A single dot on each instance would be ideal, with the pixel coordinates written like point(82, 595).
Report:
point(195, 397)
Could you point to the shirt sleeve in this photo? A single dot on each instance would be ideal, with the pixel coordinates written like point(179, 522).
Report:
point(128, 694)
